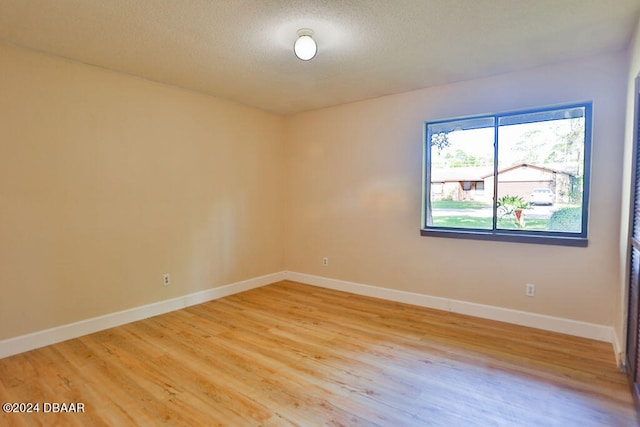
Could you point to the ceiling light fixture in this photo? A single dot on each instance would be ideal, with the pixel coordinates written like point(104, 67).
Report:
point(305, 46)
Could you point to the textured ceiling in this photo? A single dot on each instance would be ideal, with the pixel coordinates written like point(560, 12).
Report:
point(242, 49)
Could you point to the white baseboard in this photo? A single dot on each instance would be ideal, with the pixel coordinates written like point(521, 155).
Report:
point(617, 348)
point(539, 321)
point(46, 337)
point(15, 345)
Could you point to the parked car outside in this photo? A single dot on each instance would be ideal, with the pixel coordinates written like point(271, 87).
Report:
point(541, 196)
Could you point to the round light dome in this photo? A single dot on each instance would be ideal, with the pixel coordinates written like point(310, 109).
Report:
point(305, 46)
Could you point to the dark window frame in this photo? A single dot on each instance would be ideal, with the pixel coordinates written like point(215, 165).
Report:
point(519, 236)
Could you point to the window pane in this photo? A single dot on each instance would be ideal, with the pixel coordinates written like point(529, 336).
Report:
point(461, 157)
point(541, 171)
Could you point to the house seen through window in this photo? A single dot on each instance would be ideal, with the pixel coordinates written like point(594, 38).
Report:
point(520, 176)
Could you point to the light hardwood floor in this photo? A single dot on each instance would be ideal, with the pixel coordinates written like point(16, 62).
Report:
point(292, 354)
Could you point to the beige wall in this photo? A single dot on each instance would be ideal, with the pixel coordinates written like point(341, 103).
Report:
point(354, 187)
point(107, 181)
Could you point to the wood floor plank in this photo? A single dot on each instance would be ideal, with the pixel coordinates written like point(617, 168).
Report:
point(290, 354)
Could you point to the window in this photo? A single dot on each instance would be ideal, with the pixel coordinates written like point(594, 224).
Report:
point(521, 176)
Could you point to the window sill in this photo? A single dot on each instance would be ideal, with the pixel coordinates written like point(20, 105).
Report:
point(500, 236)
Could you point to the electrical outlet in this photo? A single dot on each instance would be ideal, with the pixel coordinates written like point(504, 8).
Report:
point(530, 290)
point(166, 279)
point(325, 261)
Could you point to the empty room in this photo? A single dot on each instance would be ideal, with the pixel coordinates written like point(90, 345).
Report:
point(296, 213)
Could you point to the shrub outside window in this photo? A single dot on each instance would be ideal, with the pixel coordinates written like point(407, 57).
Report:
point(521, 176)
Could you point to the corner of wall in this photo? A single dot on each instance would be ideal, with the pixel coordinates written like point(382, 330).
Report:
point(625, 217)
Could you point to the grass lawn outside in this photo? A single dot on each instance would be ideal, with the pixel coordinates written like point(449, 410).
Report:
point(456, 204)
point(458, 221)
point(478, 215)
